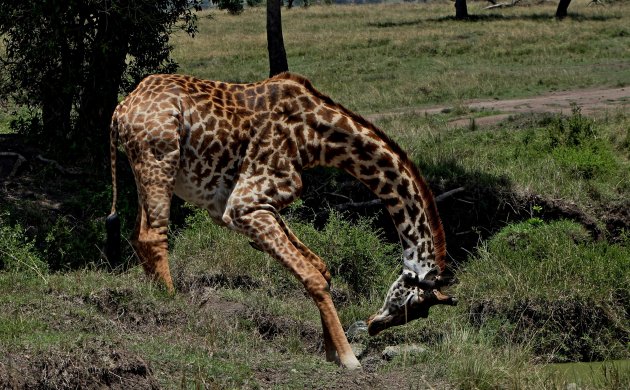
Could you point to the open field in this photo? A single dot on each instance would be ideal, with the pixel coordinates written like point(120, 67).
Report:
point(538, 234)
point(384, 57)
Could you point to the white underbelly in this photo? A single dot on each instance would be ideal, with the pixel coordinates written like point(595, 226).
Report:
point(212, 199)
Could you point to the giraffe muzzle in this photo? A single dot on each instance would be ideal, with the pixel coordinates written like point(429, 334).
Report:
point(416, 307)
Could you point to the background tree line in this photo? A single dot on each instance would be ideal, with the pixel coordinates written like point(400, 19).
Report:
point(67, 61)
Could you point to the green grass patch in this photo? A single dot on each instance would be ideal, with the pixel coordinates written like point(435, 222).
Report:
point(597, 375)
point(569, 158)
point(550, 286)
point(18, 253)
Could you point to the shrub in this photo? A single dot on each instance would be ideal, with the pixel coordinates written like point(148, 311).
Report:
point(575, 143)
point(575, 130)
point(354, 253)
point(17, 252)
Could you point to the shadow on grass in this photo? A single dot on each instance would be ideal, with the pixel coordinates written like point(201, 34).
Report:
point(487, 204)
point(484, 207)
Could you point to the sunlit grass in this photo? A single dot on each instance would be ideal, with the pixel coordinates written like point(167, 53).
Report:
point(521, 157)
point(381, 57)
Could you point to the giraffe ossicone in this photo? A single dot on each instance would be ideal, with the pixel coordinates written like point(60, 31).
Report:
point(238, 150)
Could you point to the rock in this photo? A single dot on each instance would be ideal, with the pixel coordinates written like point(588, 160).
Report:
point(392, 351)
point(357, 330)
point(358, 349)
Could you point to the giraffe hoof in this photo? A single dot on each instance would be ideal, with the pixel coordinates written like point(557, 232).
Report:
point(352, 365)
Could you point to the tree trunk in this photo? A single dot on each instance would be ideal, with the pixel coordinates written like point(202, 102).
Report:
point(56, 108)
point(275, 43)
point(99, 94)
point(461, 10)
point(561, 11)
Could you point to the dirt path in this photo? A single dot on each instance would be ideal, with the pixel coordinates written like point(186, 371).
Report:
point(590, 101)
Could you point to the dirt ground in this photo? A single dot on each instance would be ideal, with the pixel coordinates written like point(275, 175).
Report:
point(589, 100)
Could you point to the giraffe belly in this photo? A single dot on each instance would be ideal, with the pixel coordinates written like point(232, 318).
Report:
point(212, 198)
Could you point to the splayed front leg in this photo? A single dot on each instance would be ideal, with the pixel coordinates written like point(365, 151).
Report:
point(263, 227)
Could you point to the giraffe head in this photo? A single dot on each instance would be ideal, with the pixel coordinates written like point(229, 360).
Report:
point(409, 298)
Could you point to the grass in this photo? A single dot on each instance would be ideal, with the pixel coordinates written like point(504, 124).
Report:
point(520, 156)
point(536, 289)
point(393, 56)
point(552, 287)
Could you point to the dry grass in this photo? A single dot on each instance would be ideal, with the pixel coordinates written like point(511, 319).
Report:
point(380, 57)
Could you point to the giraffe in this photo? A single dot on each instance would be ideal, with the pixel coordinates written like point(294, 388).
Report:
point(238, 150)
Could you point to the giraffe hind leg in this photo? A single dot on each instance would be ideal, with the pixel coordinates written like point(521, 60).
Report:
point(155, 177)
point(151, 245)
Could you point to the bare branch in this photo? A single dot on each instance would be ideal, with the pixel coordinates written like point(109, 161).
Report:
point(369, 203)
point(57, 166)
point(448, 194)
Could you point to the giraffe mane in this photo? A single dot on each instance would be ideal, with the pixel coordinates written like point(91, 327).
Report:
point(437, 230)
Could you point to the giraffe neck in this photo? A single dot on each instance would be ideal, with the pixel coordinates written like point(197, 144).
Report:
point(351, 143)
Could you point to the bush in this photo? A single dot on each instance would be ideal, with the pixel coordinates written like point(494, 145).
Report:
point(575, 143)
point(17, 252)
point(354, 253)
point(575, 130)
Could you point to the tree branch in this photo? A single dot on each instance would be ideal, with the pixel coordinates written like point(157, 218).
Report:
point(448, 194)
point(57, 166)
point(377, 202)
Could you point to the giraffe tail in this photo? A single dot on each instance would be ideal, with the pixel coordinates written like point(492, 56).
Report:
point(112, 223)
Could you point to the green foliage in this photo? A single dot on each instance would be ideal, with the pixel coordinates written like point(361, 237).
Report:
point(576, 144)
point(71, 244)
point(69, 59)
point(203, 249)
point(575, 130)
point(354, 252)
point(587, 161)
point(18, 253)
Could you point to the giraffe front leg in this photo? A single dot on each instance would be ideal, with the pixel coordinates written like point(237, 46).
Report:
point(263, 227)
point(318, 263)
